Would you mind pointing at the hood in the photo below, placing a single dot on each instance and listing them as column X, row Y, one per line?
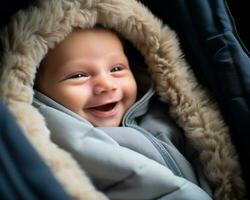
column 31, row 32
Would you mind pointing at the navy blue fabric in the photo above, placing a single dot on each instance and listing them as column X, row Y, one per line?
column 220, row 61
column 23, row 175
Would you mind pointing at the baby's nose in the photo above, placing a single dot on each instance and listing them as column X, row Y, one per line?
column 104, row 84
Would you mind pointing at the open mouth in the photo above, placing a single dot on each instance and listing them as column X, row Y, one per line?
column 104, row 108
column 104, row 111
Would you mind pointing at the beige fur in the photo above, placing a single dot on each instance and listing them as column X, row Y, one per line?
column 31, row 32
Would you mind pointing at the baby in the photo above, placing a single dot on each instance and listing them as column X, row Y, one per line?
column 88, row 94
column 89, row 74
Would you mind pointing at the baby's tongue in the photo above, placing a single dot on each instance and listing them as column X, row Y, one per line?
column 105, row 107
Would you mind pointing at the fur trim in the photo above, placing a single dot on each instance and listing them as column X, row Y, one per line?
column 32, row 32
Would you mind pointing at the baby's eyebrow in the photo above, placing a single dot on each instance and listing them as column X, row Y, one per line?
column 119, row 58
column 74, row 62
column 70, row 66
column 114, row 57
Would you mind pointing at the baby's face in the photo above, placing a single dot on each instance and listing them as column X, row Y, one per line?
column 89, row 74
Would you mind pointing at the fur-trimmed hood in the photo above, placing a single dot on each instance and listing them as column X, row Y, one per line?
column 29, row 35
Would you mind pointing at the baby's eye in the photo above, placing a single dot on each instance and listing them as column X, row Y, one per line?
column 79, row 75
column 116, row 69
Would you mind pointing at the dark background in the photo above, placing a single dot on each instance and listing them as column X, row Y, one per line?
column 241, row 14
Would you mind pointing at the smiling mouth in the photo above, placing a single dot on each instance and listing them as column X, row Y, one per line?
column 104, row 111
column 104, row 108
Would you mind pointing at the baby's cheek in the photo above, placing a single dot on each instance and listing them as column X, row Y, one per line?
column 67, row 97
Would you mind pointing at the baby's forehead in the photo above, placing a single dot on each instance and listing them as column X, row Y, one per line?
column 75, row 54
column 97, row 30
column 88, row 35
column 69, row 47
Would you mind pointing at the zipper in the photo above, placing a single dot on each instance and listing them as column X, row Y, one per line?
column 127, row 122
column 137, row 106
column 167, row 157
column 169, row 161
